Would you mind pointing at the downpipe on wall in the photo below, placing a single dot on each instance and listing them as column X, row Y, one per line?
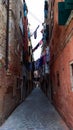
column 7, row 36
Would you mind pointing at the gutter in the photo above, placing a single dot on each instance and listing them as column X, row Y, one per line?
column 7, row 36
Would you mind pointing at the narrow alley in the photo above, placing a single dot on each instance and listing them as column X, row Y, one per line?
column 35, row 113
column 36, row 65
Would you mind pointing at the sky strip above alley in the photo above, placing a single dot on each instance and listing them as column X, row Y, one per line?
column 35, row 18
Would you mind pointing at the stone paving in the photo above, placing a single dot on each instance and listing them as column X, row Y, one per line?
column 35, row 113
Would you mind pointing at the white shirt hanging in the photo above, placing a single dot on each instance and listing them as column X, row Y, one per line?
column 21, row 25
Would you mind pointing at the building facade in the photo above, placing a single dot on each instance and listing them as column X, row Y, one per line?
column 12, row 45
column 45, row 53
column 61, row 60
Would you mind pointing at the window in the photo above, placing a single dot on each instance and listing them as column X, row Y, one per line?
column 72, row 68
column 58, row 79
column 71, row 74
column 53, row 2
column 5, row 2
column 29, row 50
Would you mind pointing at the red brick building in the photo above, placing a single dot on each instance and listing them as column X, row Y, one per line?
column 25, row 23
column 25, row 38
column 11, row 57
column 61, row 65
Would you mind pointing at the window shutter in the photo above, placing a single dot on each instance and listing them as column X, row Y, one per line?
column 63, row 14
column 69, row 1
column 69, row 4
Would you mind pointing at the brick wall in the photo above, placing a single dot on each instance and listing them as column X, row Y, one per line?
column 10, row 93
column 61, row 48
column 25, row 21
column 2, row 32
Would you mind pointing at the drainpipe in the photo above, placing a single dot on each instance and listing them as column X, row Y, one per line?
column 7, row 36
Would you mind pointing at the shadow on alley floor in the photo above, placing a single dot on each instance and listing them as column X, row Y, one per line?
column 35, row 113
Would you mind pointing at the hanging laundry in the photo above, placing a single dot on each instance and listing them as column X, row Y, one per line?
column 21, row 25
column 29, row 34
column 35, row 47
column 29, row 65
column 41, row 42
column 46, row 68
column 35, row 32
column 42, row 31
column 47, row 54
column 44, row 59
column 25, row 9
column 46, row 9
column 40, row 62
column 36, row 63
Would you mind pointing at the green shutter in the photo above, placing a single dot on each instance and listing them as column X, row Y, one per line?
column 69, row 1
column 63, row 14
column 69, row 4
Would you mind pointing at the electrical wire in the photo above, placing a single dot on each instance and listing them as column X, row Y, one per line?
column 35, row 17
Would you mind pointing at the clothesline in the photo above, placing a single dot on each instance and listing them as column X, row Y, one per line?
column 34, row 17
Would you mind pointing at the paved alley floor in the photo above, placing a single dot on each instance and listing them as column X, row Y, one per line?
column 35, row 113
